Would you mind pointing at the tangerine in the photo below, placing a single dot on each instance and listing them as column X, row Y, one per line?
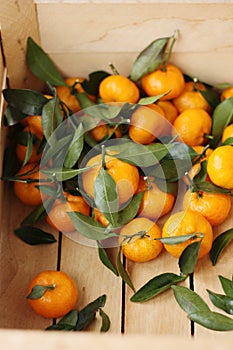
column 227, row 132
column 226, row 93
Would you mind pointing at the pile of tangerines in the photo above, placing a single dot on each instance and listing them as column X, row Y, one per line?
column 180, row 113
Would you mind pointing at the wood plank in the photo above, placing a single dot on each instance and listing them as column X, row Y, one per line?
column 18, row 20
column 19, row 263
column 204, row 43
column 93, row 279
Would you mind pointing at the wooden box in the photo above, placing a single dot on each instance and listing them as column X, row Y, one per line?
column 83, row 36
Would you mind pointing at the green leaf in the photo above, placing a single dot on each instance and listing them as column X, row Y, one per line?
column 122, row 271
column 41, row 65
column 13, row 116
column 189, row 257
column 189, row 300
column 66, row 323
column 91, row 85
column 178, row 239
column 228, row 141
column 57, row 148
column 75, row 148
column 9, row 162
column 103, row 255
column 26, row 101
column 28, row 149
column 149, row 100
column 155, row 286
column 105, row 321
column 34, row 236
column 39, row 290
column 39, row 213
column 211, row 97
column 219, row 244
column 106, row 196
column 87, row 314
column 88, row 227
column 227, row 286
column 63, row 174
column 51, row 117
column 221, row 301
column 206, row 186
column 149, row 59
column 222, row 116
column 212, row 320
column 130, row 211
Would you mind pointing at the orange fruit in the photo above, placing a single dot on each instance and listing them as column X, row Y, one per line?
column 197, row 167
column 191, row 98
column 117, row 88
column 100, row 132
column 220, row 166
column 169, row 109
column 227, row 132
column 147, row 124
column 125, row 175
column 98, row 216
column 34, row 124
column 65, row 95
column 155, row 203
column 226, row 93
column 28, row 192
column 192, row 126
column 141, row 248
column 21, row 150
column 60, row 296
column 184, row 223
column 170, row 81
column 58, row 217
column 215, row 207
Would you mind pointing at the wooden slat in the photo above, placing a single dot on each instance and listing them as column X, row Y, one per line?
column 18, row 20
column 100, row 37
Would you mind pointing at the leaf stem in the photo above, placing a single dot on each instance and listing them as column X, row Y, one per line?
column 166, row 59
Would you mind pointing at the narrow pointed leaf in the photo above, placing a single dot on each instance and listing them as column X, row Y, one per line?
column 105, row 259
column 130, row 211
column 189, row 300
column 75, row 148
column 152, row 99
column 105, row 321
column 13, row 116
column 64, row 174
column 219, row 244
column 39, row 290
column 106, row 196
column 227, row 286
column 211, row 97
column 66, row 323
column 87, row 314
column 189, row 257
column 26, row 101
column 122, row 271
column 149, row 59
column 221, row 301
column 34, row 235
column 212, row 320
column 88, row 227
column 222, row 116
column 28, row 148
column 51, row 117
column 156, row 286
column 41, row 64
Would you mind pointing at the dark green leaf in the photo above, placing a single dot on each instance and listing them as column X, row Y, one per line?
column 92, row 84
column 105, row 321
column 60, row 327
column 29, row 146
column 88, row 227
column 13, row 116
column 206, row 186
column 87, row 314
column 39, row 290
column 188, row 258
column 103, row 255
column 129, row 212
column 41, row 65
column 75, row 148
column 219, row 244
column 122, row 271
column 34, row 236
column 106, row 196
column 221, row 301
column 211, row 97
column 228, row 141
column 149, row 59
column 227, row 286
column 26, row 101
column 222, row 116
column 212, row 320
column 66, row 323
column 51, row 117
column 155, row 286
column 189, row 300
column 39, row 213
column 83, row 99
column 9, row 162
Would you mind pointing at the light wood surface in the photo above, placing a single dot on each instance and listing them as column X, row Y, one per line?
column 86, row 37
